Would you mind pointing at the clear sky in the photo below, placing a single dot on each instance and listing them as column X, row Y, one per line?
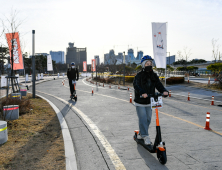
column 101, row 25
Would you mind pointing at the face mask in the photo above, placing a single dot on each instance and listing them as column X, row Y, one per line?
column 148, row 68
column 73, row 66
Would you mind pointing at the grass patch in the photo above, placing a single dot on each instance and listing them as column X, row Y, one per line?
column 34, row 140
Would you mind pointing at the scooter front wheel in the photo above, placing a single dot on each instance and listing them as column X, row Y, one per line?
column 161, row 155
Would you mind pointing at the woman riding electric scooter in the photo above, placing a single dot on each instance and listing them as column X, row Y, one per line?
column 144, row 84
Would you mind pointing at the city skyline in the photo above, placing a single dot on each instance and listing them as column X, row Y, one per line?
column 191, row 24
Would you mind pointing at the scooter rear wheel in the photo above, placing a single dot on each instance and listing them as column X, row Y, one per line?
column 161, row 155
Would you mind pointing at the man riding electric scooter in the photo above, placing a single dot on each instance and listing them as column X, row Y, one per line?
column 73, row 76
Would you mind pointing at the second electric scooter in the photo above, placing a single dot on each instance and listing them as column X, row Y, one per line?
column 159, row 145
column 74, row 96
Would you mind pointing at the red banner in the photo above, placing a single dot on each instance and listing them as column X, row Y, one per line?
column 17, row 54
column 84, row 66
column 93, row 66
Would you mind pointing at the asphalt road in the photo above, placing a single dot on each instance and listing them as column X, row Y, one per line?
column 102, row 127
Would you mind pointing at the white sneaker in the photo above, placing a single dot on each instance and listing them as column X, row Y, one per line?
column 139, row 137
column 147, row 140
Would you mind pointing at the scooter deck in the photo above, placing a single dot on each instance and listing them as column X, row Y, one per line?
column 147, row 147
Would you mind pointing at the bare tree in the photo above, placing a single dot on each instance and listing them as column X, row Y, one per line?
column 215, row 51
column 187, row 53
column 11, row 25
column 179, row 53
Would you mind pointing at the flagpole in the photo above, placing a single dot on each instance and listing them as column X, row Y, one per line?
column 166, row 53
column 165, row 77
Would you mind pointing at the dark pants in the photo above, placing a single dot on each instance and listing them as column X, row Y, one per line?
column 71, row 86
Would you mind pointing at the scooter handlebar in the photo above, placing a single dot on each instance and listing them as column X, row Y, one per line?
column 153, row 95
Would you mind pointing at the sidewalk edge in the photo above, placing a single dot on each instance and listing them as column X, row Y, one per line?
column 71, row 163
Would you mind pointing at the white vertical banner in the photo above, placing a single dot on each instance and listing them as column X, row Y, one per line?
column 41, row 75
column 63, row 74
column 159, row 34
column 38, row 76
column 26, row 77
column 58, row 75
column 49, row 63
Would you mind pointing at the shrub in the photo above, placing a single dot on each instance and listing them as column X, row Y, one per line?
column 175, row 80
column 109, row 80
column 129, row 79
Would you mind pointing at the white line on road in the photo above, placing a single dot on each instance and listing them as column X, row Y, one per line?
column 110, row 151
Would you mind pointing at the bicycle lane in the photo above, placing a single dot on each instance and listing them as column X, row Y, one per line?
column 117, row 119
column 189, row 135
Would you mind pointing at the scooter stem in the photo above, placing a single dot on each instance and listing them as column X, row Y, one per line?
column 157, row 118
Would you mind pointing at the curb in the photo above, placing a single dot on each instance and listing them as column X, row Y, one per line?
column 71, row 162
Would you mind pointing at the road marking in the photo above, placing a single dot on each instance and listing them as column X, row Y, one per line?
column 110, row 151
column 190, row 122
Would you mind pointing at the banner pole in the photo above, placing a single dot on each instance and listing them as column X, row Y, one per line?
column 33, row 63
column 165, row 77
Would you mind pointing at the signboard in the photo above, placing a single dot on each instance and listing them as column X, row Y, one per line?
column 14, row 44
column 49, row 63
column 155, row 104
column 93, row 65
column 159, row 44
column 84, row 66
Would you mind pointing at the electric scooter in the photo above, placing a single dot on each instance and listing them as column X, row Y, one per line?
column 74, row 96
column 159, row 145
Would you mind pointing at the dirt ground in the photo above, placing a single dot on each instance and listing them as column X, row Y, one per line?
column 35, row 140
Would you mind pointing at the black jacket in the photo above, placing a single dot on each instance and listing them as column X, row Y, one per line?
column 73, row 74
column 146, row 83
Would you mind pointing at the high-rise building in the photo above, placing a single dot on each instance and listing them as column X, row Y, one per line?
column 58, row 56
column 130, row 53
column 170, row 60
column 98, row 59
column 139, row 55
column 74, row 54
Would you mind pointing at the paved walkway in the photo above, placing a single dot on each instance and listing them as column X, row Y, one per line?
column 101, row 127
